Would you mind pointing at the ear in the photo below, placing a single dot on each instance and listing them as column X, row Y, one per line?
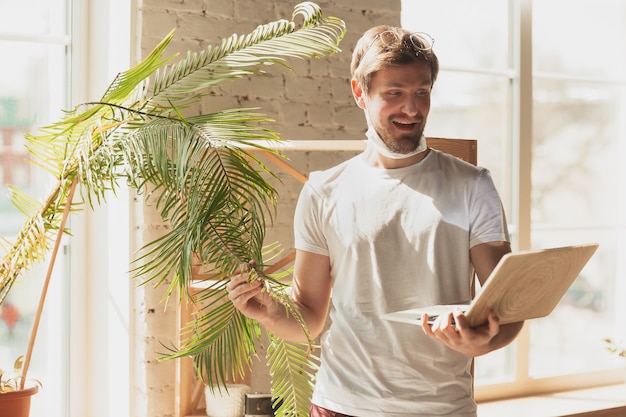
column 357, row 93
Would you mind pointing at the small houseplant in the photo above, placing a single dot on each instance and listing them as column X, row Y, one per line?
column 15, row 400
column 207, row 184
column 616, row 347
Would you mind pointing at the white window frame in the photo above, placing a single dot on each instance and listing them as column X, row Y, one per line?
column 522, row 126
column 53, row 325
column 100, row 325
column 521, row 77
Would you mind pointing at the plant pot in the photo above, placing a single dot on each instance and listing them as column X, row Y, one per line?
column 17, row 403
column 221, row 403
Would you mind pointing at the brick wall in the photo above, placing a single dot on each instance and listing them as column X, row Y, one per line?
column 314, row 102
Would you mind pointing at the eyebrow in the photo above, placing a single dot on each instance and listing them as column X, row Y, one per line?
column 395, row 84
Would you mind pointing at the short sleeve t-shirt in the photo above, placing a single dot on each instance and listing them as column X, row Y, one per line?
column 396, row 239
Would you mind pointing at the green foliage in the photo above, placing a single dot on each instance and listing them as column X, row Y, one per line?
column 615, row 347
column 13, row 382
column 204, row 180
column 293, row 375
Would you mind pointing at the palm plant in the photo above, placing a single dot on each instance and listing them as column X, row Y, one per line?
column 205, row 180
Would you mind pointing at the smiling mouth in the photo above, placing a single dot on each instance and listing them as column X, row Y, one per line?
column 405, row 125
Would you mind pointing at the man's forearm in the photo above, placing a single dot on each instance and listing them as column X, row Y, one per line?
column 284, row 324
column 508, row 333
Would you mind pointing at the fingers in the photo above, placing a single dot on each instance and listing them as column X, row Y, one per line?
column 446, row 320
column 245, row 293
column 452, row 329
column 442, row 328
column 459, row 320
column 494, row 323
column 240, row 289
column 426, row 326
column 243, row 275
column 445, row 328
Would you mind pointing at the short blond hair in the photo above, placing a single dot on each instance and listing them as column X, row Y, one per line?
column 371, row 54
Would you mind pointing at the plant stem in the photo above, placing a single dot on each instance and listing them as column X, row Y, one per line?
column 44, row 291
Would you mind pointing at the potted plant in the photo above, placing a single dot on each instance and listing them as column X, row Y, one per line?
column 615, row 347
column 14, row 397
column 205, row 179
column 618, row 348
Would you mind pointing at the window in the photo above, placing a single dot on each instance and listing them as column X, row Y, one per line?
column 33, row 90
column 578, row 135
column 546, row 63
column 63, row 53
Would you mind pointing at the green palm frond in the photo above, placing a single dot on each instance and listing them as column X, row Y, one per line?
column 294, row 375
column 231, row 338
column 203, row 177
column 60, row 147
column 126, row 84
column 33, row 241
column 28, row 205
column 237, row 55
column 212, row 196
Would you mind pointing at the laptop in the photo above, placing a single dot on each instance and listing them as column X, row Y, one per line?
column 523, row 286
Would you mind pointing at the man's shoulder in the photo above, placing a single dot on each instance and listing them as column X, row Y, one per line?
column 330, row 174
column 452, row 163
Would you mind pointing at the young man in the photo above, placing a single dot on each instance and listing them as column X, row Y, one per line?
column 399, row 226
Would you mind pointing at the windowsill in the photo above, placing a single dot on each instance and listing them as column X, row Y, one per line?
column 609, row 401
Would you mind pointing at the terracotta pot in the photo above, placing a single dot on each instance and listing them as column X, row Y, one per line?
column 16, row 403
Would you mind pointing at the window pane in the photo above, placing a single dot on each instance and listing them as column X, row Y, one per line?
column 32, row 93
column 577, row 176
column 571, row 339
column 589, row 42
column 576, row 154
column 29, row 88
column 471, row 106
column 469, row 34
column 577, row 198
column 33, row 17
column 495, row 368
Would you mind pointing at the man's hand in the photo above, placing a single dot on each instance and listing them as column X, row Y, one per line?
column 453, row 331
column 248, row 296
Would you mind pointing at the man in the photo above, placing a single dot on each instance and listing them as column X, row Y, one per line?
column 399, row 226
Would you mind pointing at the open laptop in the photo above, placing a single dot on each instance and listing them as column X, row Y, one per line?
column 523, row 286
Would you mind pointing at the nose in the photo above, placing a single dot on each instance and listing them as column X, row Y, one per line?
column 409, row 106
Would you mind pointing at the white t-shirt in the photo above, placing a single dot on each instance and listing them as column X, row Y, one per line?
column 396, row 239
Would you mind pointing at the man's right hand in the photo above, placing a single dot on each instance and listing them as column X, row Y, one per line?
column 248, row 296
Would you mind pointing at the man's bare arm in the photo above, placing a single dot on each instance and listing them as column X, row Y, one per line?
column 484, row 339
column 310, row 293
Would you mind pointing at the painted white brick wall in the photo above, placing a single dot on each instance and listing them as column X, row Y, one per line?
column 314, row 102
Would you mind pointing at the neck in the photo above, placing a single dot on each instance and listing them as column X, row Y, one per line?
column 379, row 155
column 373, row 157
column 381, row 146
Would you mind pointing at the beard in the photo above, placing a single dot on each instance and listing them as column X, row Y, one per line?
column 381, row 147
column 404, row 143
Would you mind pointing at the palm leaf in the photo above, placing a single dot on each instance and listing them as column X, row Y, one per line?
column 203, row 178
column 34, row 239
column 293, row 374
column 237, row 55
column 231, row 338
